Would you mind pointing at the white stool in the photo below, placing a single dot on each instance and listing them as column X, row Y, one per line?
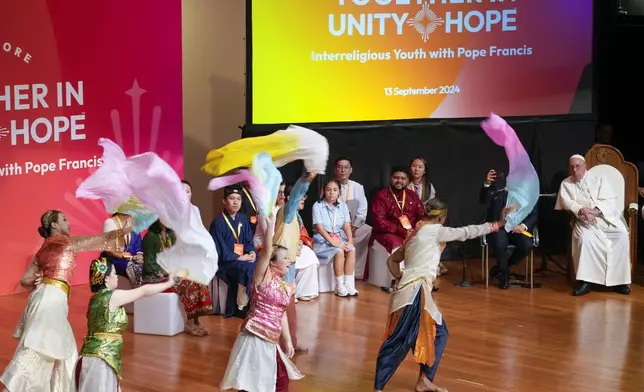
column 326, row 278
column 219, row 294
column 379, row 275
column 160, row 314
column 124, row 284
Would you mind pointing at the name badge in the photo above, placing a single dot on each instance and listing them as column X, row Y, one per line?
column 238, row 249
column 253, row 220
column 404, row 221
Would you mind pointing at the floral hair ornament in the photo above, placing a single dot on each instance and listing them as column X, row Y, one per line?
column 98, row 268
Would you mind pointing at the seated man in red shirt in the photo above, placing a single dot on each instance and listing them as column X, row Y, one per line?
column 395, row 211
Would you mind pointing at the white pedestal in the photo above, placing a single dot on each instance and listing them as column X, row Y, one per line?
column 160, row 314
column 326, row 278
column 378, row 271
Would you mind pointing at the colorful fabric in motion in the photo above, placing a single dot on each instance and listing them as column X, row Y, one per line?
column 522, row 182
column 284, row 146
column 159, row 190
column 263, row 179
column 142, row 218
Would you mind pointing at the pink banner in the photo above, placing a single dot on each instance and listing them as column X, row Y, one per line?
column 74, row 71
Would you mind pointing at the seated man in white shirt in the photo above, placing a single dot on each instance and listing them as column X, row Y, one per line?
column 353, row 194
column 600, row 242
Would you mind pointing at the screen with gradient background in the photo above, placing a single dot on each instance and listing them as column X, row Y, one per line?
column 369, row 60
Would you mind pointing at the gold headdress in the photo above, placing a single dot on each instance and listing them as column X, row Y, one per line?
column 441, row 212
column 98, row 269
column 48, row 218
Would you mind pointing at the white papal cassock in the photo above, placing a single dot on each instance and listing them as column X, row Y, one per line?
column 600, row 252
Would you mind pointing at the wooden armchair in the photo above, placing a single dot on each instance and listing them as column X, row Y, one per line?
column 607, row 162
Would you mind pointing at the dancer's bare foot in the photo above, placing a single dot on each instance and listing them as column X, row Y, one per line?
column 305, row 299
column 301, row 349
column 424, row 385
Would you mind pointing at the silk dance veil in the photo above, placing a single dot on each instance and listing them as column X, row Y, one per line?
column 284, row 146
column 522, row 182
column 146, row 187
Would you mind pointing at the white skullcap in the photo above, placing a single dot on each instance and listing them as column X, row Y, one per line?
column 577, row 156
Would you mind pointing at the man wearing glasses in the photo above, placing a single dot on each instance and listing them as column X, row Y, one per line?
column 353, row 194
column 600, row 245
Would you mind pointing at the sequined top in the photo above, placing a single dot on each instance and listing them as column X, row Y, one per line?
column 56, row 258
column 267, row 306
column 105, row 329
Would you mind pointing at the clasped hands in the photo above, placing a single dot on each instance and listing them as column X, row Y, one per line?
column 248, row 257
column 345, row 246
column 589, row 215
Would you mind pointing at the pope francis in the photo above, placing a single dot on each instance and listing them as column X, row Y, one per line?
column 600, row 243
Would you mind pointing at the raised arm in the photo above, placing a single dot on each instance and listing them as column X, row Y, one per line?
column 123, row 297
column 265, row 257
column 449, row 234
column 297, row 193
column 111, row 241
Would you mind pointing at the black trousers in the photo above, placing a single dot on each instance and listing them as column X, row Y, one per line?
column 500, row 241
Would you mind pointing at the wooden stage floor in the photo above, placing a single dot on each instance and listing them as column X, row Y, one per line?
column 515, row 340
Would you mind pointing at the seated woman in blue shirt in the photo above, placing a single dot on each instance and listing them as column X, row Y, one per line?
column 333, row 238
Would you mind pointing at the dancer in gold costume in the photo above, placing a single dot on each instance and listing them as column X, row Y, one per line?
column 46, row 352
column 99, row 365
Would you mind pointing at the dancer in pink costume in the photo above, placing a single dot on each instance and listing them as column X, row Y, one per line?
column 257, row 363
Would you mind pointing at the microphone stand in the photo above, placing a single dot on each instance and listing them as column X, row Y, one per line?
column 464, row 282
column 547, row 256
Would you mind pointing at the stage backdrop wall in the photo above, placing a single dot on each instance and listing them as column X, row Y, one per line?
column 459, row 155
column 72, row 72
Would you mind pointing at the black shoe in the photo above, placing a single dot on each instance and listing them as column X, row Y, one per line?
column 583, row 289
column 504, row 281
column 622, row 289
column 495, row 271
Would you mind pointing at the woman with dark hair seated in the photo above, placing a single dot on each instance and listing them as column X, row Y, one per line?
column 99, row 365
column 333, row 238
column 195, row 297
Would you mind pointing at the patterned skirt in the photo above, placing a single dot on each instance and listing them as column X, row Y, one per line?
column 195, row 298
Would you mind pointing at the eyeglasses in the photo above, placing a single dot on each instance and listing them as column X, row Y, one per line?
column 577, row 167
column 343, row 168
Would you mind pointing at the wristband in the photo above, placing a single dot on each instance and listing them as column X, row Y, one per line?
column 176, row 280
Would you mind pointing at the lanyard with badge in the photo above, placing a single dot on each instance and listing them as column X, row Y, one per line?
column 253, row 218
column 404, row 220
column 237, row 247
column 333, row 234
